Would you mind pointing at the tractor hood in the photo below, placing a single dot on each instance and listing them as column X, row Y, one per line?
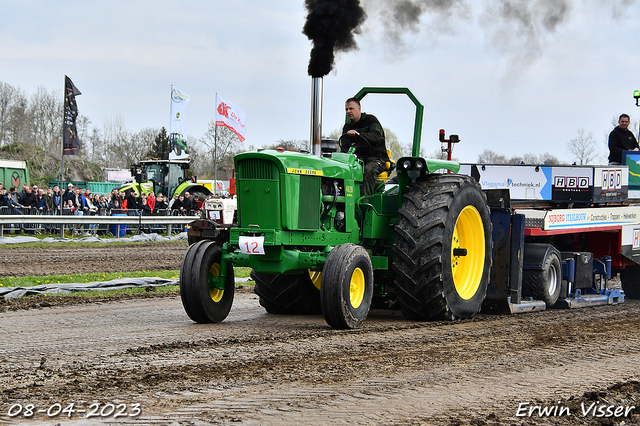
column 339, row 166
column 283, row 190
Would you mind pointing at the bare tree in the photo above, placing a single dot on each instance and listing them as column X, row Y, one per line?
column 221, row 145
column 584, row 148
column 140, row 143
column 7, row 98
column 289, row 145
column 82, row 126
column 45, row 114
column 94, row 147
column 549, row 160
column 490, row 157
column 123, row 148
column 17, row 129
column 115, row 137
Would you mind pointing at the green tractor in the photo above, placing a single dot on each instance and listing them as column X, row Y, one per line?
column 316, row 245
column 166, row 176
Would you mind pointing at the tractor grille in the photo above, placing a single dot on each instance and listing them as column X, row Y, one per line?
column 255, row 168
column 309, row 203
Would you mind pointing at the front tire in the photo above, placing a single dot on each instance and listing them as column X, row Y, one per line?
column 201, row 298
column 443, row 248
column 347, row 286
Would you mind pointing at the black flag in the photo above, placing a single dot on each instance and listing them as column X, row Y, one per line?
column 70, row 141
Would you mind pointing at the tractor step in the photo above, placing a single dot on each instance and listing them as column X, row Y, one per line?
column 526, row 306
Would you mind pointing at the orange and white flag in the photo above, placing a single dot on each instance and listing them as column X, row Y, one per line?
column 231, row 116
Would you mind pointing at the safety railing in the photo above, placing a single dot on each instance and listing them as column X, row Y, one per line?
column 108, row 222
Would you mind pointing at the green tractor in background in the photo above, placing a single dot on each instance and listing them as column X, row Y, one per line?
column 166, row 176
column 316, row 245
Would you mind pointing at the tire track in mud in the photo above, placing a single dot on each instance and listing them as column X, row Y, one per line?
column 79, row 259
column 258, row 368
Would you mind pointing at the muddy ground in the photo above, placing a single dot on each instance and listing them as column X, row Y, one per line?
column 80, row 259
column 262, row 369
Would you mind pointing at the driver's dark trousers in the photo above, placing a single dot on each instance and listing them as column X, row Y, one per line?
column 372, row 168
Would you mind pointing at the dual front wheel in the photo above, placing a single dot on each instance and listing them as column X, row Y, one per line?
column 206, row 295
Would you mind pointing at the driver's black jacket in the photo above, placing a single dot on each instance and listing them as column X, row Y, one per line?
column 370, row 128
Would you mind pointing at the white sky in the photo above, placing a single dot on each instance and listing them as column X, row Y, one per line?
column 476, row 75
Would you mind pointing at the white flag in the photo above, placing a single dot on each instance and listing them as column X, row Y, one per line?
column 231, row 116
column 177, row 129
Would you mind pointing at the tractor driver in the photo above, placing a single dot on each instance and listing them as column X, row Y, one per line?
column 362, row 125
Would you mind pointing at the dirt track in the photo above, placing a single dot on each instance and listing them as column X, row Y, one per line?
column 79, row 259
column 261, row 369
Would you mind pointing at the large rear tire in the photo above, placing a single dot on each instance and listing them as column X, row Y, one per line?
column 347, row 286
column 630, row 279
column 287, row 294
column 202, row 300
column 443, row 248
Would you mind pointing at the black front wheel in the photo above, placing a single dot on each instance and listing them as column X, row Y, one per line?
column 206, row 296
column 346, row 289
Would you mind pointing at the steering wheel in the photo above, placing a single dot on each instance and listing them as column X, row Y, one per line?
column 362, row 145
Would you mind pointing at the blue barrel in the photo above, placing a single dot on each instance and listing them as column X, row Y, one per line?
column 119, row 230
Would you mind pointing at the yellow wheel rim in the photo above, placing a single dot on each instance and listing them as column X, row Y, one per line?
column 467, row 269
column 216, row 293
column 356, row 288
column 316, row 278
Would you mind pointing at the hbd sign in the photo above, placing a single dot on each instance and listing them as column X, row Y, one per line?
column 611, row 179
column 571, row 182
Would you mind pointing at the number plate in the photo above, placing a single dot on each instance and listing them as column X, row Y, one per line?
column 214, row 214
column 252, row 245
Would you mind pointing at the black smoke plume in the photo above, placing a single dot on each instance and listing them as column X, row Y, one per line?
column 528, row 20
column 331, row 25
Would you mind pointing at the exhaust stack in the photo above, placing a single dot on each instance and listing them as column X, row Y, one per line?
column 316, row 116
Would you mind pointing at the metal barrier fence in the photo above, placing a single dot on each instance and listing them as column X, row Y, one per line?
column 113, row 222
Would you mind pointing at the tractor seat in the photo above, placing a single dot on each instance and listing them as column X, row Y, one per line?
column 389, row 165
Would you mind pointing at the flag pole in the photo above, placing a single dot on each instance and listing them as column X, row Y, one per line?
column 215, row 149
column 170, row 122
column 64, row 92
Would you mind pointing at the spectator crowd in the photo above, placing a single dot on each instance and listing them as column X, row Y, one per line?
column 78, row 201
column 74, row 200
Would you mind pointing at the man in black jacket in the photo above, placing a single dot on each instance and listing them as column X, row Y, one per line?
column 28, row 198
column 621, row 139
column 363, row 125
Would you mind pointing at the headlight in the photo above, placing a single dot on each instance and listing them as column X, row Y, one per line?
column 419, row 164
column 406, row 164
